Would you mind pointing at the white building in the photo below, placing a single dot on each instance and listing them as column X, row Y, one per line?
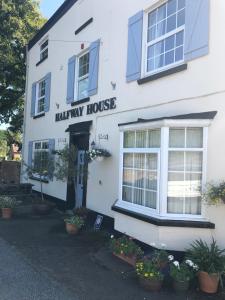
column 145, row 80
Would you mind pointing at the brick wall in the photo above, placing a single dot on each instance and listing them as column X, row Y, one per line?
column 10, row 172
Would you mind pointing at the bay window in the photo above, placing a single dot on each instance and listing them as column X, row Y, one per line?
column 162, row 170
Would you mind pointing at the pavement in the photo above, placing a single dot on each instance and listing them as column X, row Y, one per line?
column 40, row 261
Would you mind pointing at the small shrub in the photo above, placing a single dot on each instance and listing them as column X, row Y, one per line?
column 125, row 246
column 75, row 220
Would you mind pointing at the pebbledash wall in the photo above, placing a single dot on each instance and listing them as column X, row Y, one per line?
column 187, row 94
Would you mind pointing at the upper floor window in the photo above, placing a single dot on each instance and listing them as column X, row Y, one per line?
column 40, row 99
column 44, row 50
column 83, row 76
column 165, row 36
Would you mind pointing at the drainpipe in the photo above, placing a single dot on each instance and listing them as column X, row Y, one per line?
column 25, row 110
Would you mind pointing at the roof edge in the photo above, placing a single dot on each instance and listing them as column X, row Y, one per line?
column 61, row 11
column 209, row 115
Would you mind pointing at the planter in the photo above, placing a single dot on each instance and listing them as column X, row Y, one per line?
column 42, row 209
column 152, row 285
column 208, row 283
column 180, row 286
column 72, row 229
column 131, row 260
column 6, row 213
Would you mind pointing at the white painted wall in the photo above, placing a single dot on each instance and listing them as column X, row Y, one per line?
column 200, row 88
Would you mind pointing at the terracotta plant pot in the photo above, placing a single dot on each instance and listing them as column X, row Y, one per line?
column 131, row 260
column 180, row 286
column 208, row 283
column 72, row 229
column 6, row 213
column 152, row 285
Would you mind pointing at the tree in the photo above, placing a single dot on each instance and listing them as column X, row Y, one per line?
column 20, row 20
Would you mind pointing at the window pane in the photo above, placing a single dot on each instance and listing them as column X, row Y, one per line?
column 127, row 194
column 128, row 160
column 83, row 88
column 193, row 205
column 179, row 54
column 154, row 138
column 151, row 52
column 175, row 205
column 180, row 38
column 129, row 139
column 152, row 18
column 45, row 145
column 181, row 4
column 176, row 161
column 159, row 61
column 151, row 181
column 193, row 184
column 150, row 199
column 152, row 33
column 194, row 161
column 171, row 8
column 161, row 13
column 177, row 138
column 84, row 65
column 176, row 185
column 128, row 177
column 138, row 197
column 159, row 48
column 139, row 179
column 161, row 28
column 171, row 23
column 37, row 146
column 194, row 137
column 150, row 65
column 141, row 139
column 41, row 105
column 151, row 161
column 169, row 57
column 181, row 18
column 170, row 43
column 139, row 161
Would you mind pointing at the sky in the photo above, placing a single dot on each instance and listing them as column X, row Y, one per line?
column 48, row 7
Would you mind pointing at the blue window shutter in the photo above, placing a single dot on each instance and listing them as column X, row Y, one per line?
column 93, row 67
column 47, row 91
column 134, row 52
column 30, row 153
column 71, row 80
column 33, row 99
column 51, row 147
column 196, row 29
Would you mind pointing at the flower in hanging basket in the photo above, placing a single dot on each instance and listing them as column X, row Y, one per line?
column 93, row 154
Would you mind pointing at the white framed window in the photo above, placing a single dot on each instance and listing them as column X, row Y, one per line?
column 40, row 157
column 164, row 30
column 40, row 97
column 162, row 170
column 44, row 50
column 82, row 76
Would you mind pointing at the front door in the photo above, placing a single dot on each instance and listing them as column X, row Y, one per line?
column 79, row 178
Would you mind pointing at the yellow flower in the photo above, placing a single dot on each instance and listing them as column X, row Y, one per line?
column 146, row 275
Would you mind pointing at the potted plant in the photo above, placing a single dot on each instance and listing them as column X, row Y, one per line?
column 97, row 154
column 126, row 249
column 7, row 204
column 210, row 260
column 149, row 274
column 182, row 273
column 73, row 224
column 215, row 193
column 160, row 257
column 82, row 212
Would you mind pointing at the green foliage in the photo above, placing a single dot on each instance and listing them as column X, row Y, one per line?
column 20, row 20
column 160, row 257
column 75, row 220
column 148, row 269
column 209, row 258
column 182, row 271
column 3, row 144
column 94, row 153
column 215, row 193
column 65, row 164
column 7, row 202
column 125, row 245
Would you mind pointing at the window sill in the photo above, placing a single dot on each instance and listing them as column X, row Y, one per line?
column 39, row 116
column 38, row 179
column 41, row 61
column 163, row 222
column 80, row 101
column 162, row 74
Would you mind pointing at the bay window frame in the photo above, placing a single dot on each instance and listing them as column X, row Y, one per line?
column 164, row 125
